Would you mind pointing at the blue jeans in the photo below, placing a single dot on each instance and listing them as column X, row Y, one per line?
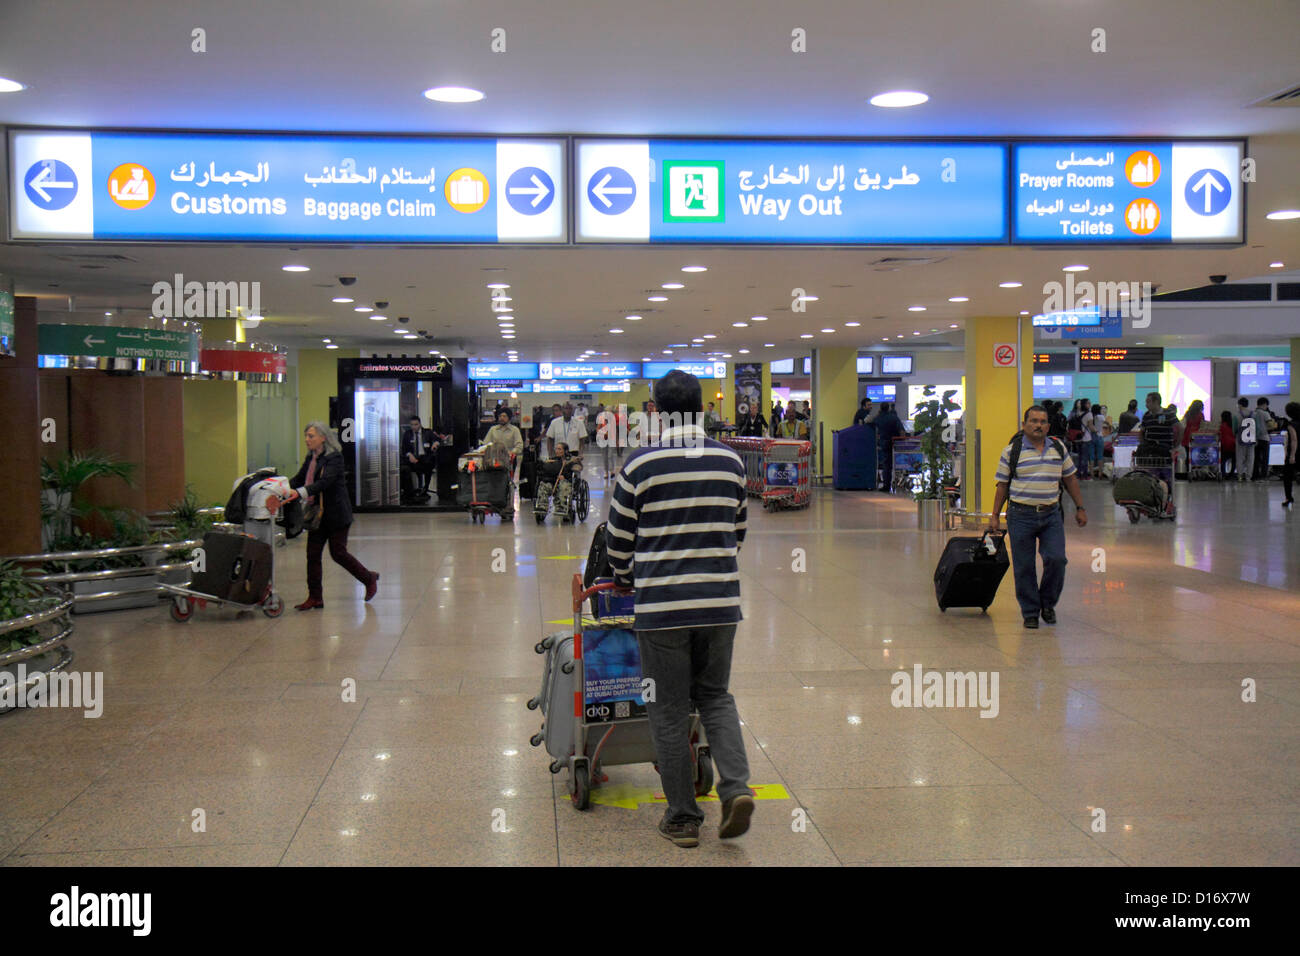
column 1046, row 529
column 693, row 664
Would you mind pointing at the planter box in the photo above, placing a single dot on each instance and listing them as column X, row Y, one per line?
column 141, row 591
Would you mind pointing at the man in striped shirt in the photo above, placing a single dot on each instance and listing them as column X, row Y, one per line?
column 675, row 526
column 1030, row 473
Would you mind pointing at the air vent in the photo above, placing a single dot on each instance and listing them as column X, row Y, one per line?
column 902, row 261
column 1290, row 97
column 95, row 257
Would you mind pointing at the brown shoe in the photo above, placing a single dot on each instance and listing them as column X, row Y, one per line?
column 373, row 586
column 308, row 604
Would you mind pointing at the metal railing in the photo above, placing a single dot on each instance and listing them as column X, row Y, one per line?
column 58, row 612
column 68, row 577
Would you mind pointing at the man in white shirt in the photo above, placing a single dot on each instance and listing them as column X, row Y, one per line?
column 566, row 429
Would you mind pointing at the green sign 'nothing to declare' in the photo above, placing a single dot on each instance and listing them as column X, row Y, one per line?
column 115, row 342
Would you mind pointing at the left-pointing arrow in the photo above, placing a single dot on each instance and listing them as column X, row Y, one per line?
column 89, row 340
column 45, row 180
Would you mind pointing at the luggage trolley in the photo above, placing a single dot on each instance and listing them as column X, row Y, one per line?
column 593, row 701
column 909, row 461
column 786, row 473
column 236, row 572
column 1160, row 468
column 485, row 495
column 1204, row 458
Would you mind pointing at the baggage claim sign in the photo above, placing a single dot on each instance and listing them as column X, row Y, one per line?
column 257, row 186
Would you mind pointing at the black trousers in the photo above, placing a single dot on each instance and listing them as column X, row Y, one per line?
column 1288, row 479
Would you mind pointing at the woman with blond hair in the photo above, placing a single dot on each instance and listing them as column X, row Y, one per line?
column 328, row 513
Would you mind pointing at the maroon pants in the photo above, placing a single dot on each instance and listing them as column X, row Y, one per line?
column 338, row 542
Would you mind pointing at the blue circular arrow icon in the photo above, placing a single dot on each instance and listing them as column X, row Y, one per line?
column 611, row 190
column 1208, row 192
column 530, row 191
column 50, row 183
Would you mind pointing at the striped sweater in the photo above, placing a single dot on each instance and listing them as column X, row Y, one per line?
column 676, row 522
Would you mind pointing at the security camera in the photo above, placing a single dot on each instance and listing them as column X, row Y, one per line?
column 401, row 318
column 347, row 280
column 381, row 303
column 1074, row 341
column 424, row 332
column 1218, row 280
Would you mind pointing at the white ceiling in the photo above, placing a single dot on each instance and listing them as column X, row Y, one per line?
column 995, row 68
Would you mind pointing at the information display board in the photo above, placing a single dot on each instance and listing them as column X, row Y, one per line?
column 1127, row 192
column 1054, row 362
column 1054, row 386
column 896, row 365
column 1144, row 358
column 866, row 365
column 275, row 186
column 585, row 370
column 1264, row 378
column 789, row 192
column 480, row 371
column 655, row 370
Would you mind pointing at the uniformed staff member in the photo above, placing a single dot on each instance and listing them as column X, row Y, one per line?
column 1031, row 472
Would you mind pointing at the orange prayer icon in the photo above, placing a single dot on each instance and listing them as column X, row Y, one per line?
column 1142, row 168
column 132, row 186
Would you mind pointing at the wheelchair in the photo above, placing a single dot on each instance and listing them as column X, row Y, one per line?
column 579, row 496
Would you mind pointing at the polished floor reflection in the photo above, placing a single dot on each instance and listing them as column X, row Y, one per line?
column 1121, row 735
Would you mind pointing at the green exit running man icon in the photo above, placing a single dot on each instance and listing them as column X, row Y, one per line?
column 693, row 191
column 694, row 198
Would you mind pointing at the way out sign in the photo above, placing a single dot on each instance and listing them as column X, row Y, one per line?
column 1005, row 355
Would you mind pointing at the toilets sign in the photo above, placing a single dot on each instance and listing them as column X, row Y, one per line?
column 263, row 186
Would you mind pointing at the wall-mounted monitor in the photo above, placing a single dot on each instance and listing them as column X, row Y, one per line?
column 882, row 393
column 781, row 367
column 1053, row 386
column 896, row 365
column 866, row 365
column 1054, row 362
column 1263, row 378
column 1147, row 358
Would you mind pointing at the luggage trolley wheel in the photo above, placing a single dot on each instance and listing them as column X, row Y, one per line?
column 703, row 772
column 580, row 783
column 273, row 606
column 181, row 610
column 536, row 739
column 1134, row 515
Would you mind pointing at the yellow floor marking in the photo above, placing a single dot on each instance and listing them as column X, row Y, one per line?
column 629, row 797
column 563, row 557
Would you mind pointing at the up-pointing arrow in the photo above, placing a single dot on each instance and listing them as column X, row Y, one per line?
column 1207, row 182
column 539, row 190
column 45, row 180
column 602, row 188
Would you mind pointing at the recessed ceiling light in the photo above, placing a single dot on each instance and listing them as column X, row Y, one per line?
column 1284, row 214
column 726, row 355
column 325, row 340
column 498, row 285
column 744, row 351
column 709, row 335
column 1074, row 269
column 806, row 335
column 656, row 298
column 673, row 285
column 10, row 86
column 740, row 325
column 828, row 330
column 1024, row 313
column 916, row 308
column 769, row 345
column 296, row 268
column 378, row 318
column 897, row 99
column 363, row 308
column 808, row 298
column 758, row 318
column 916, row 333
column 342, row 300
column 852, row 325
column 1271, row 265
column 959, row 298
column 633, row 318
column 695, row 269
column 953, row 326
column 1009, row 285
column 885, row 339
column 399, row 331
column 698, row 341
column 898, row 336
column 331, row 346
column 668, row 351
column 453, row 94
column 1139, row 343
column 409, row 337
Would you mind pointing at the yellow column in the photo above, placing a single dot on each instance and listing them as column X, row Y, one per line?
column 993, row 410
column 834, row 399
column 216, row 331
column 318, row 379
column 216, row 437
column 1116, row 389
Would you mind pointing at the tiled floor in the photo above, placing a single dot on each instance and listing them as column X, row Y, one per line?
column 1132, row 705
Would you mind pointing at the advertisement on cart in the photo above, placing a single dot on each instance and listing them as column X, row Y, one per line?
column 782, row 474
column 611, row 664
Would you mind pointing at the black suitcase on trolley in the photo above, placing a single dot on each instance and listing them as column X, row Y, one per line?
column 527, row 473
column 236, row 567
column 968, row 575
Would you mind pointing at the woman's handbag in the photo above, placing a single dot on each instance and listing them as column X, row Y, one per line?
column 312, row 512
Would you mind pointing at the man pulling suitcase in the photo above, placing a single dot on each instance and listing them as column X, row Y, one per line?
column 1031, row 473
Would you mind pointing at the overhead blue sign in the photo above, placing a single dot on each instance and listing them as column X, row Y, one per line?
column 479, row 371
column 1126, row 192
column 262, row 186
column 1091, row 324
column 777, row 191
column 698, row 369
column 569, row 370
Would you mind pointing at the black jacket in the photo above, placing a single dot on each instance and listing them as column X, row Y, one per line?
column 427, row 438
column 330, row 483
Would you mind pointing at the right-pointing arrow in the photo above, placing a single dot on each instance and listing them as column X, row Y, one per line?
column 1207, row 182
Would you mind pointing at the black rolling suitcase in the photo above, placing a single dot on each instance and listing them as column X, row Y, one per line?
column 527, row 473
column 236, row 567
column 969, row 571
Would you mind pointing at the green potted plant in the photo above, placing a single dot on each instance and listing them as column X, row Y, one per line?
column 185, row 521
column 33, row 649
column 932, row 427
